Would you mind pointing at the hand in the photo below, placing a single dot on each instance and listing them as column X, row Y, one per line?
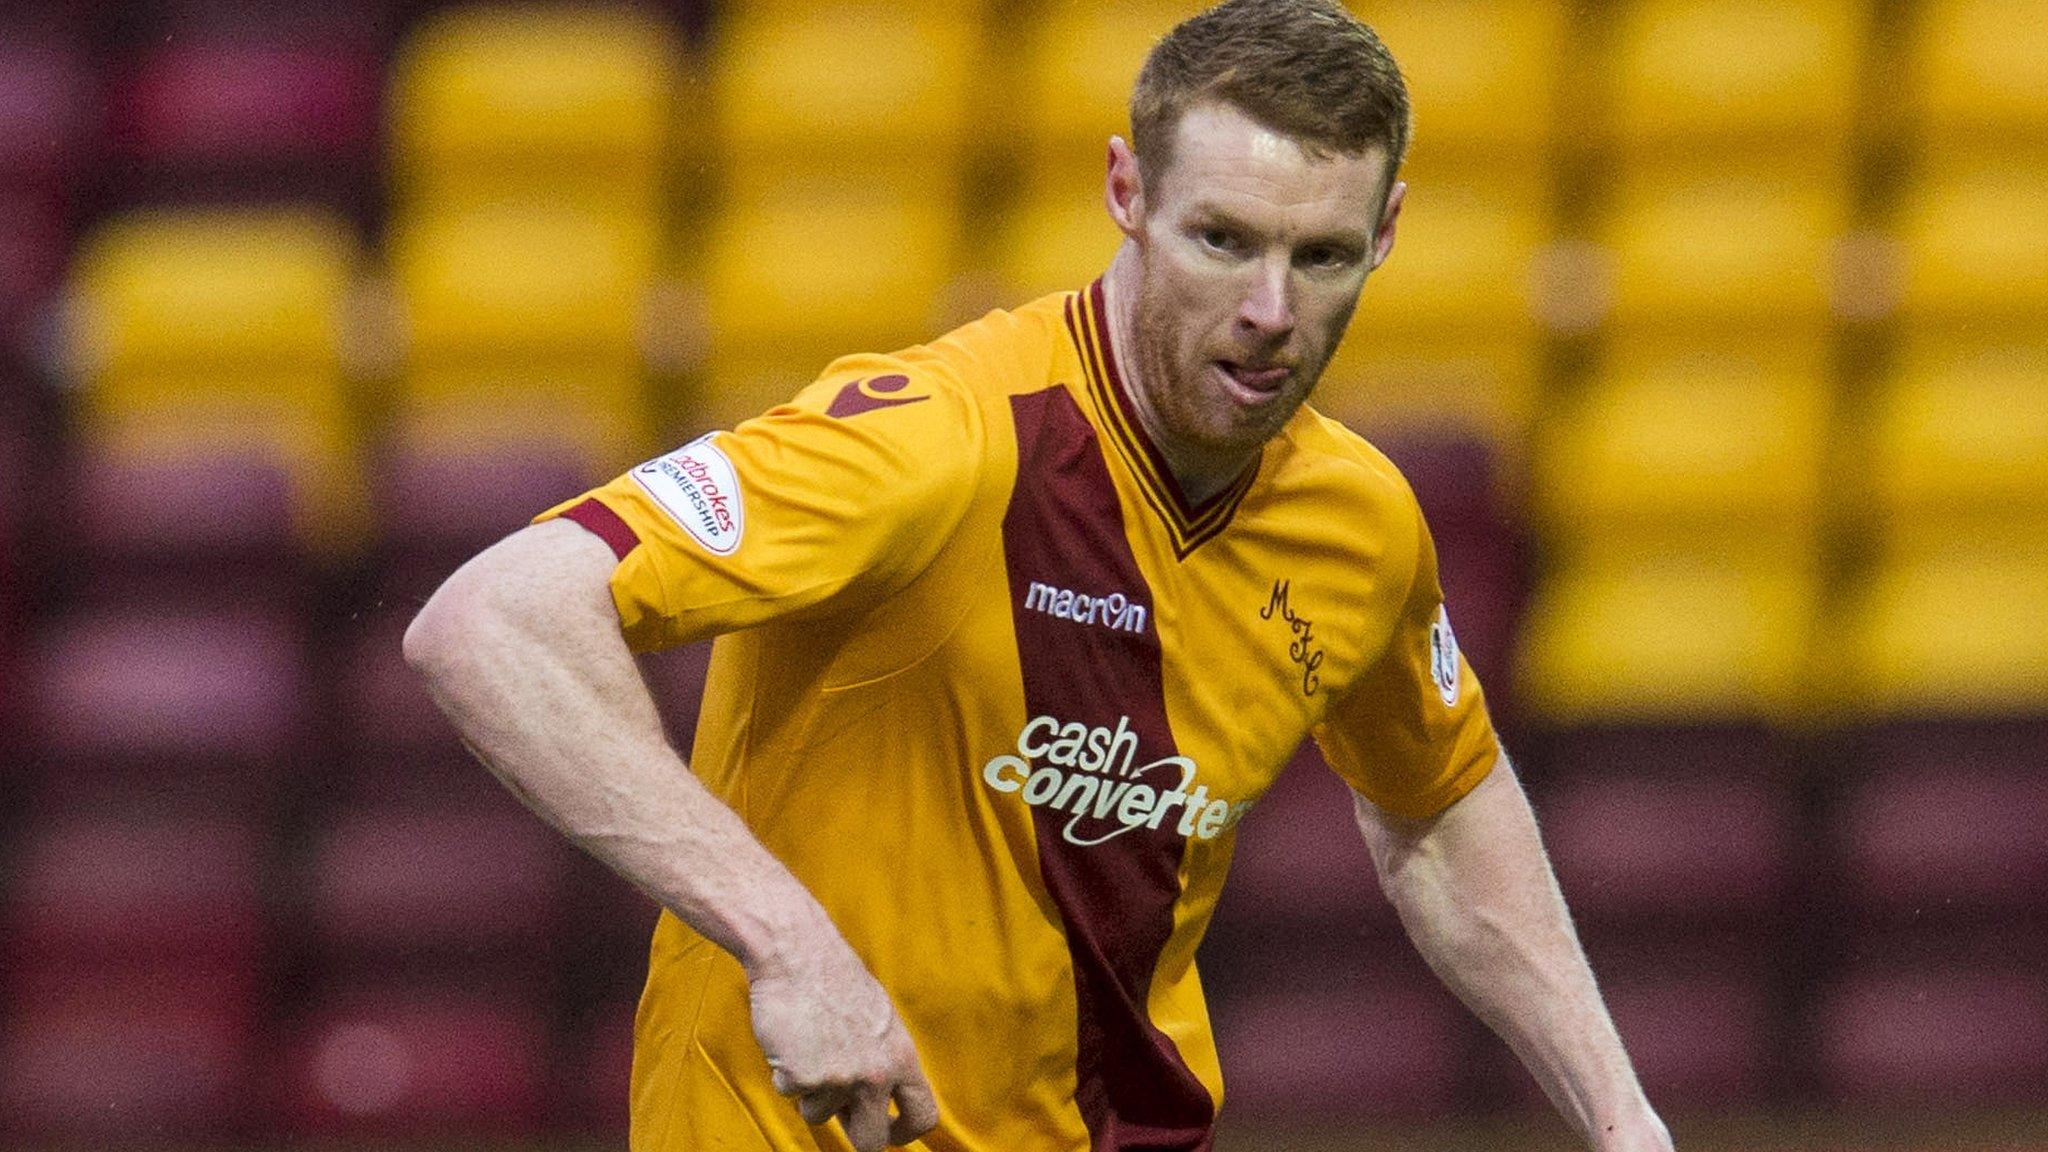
column 1646, row 1133
column 835, row 1044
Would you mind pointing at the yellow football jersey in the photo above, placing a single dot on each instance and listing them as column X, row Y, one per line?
column 999, row 697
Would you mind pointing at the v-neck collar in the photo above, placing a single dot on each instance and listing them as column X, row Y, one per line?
column 1188, row 526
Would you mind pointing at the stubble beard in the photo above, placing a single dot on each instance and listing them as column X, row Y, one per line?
column 1206, row 429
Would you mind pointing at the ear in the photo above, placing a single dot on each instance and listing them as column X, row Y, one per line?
column 1383, row 239
column 1123, row 189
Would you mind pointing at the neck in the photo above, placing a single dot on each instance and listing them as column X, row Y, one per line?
column 1199, row 475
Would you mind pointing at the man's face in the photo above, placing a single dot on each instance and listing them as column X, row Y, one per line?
column 1252, row 254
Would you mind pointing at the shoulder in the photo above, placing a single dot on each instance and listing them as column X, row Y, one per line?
column 1006, row 351
column 1345, row 470
column 1002, row 353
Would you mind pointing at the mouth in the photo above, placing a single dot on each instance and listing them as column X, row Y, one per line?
column 1253, row 383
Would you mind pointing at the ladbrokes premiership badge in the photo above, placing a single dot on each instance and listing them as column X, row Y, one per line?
column 697, row 486
column 1443, row 657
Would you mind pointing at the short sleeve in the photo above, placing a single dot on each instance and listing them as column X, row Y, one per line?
column 830, row 502
column 1412, row 733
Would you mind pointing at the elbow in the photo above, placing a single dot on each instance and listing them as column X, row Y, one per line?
column 422, row 641
column 435, row 636
column 518, row 596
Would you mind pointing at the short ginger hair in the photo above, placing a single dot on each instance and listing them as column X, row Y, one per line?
column 1307, row 69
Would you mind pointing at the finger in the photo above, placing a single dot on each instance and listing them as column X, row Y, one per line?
column 819, row 1107
column 784, row 1086
column 866, row 1121
column 917, row 1111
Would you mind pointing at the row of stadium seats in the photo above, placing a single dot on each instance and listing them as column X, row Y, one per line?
column 590, row 116
column 229, row 705
column 1490, row 76
column 1713, row 1018
column 475, row 1061
column 1684, row 885
column 250, row 886
column 1648, row 484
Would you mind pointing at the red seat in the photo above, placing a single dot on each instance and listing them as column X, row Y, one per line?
column 1966, row 839
column 44, row 112
column 611, row 923
column 1747, row 751
column 675, row 677
column 384, row 703
column 141, row 889
column 146, row 686
column 210, row 100
column 1663, row 845
column 367, row 23
column 33, row 249
column 1456, row 478
column 2010, row 745
column 1300, row 859
column 1381, row 1044
column 453, row 505
column 606, row 1079
column 1698, row 1044
column 205, row 511
column 18, row 451
column 132, row 1058
column 1701, row 1026
column 45, row 109
column 1935, row 1033
column 1456, row 475
column 421, row 1063
column 1483, row 596
column 484, row 883
column 249, row 116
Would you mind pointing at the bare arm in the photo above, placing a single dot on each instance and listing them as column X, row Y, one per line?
column 521, row 648
column 1476, row 893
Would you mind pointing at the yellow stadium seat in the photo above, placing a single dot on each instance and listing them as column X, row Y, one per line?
column 217, row 289
column 1073, row 87
column 1725, row 245
column 1701, row 634
column 1059, row 236
column 1482, row 74
column 1961, row 630
column 1462, row 261
column 545, row 101
column 1959, row 433
column 1668, row 442
column 600, row 409
column 1982, row 68
column 1975, row 233
column 1390, row 386
column 822, row 83
column 510, row 281
column 741, row 383
column 301, row 423
column 1776, row 73
column 220, row 332
column 851, row 265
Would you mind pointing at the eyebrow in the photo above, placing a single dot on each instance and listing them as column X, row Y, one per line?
column 1207, row 212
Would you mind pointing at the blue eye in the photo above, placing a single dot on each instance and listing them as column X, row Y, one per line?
column 1219, row 239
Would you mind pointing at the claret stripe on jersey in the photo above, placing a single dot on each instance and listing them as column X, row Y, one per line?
column 598, row 518
column 1117, row 895
column 1088, row 325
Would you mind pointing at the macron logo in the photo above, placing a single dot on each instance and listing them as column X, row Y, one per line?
column 1116, row 611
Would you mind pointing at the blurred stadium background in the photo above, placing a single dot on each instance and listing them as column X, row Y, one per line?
column 1716, row 344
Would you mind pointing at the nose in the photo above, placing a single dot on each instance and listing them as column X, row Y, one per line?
column 1266, row 311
